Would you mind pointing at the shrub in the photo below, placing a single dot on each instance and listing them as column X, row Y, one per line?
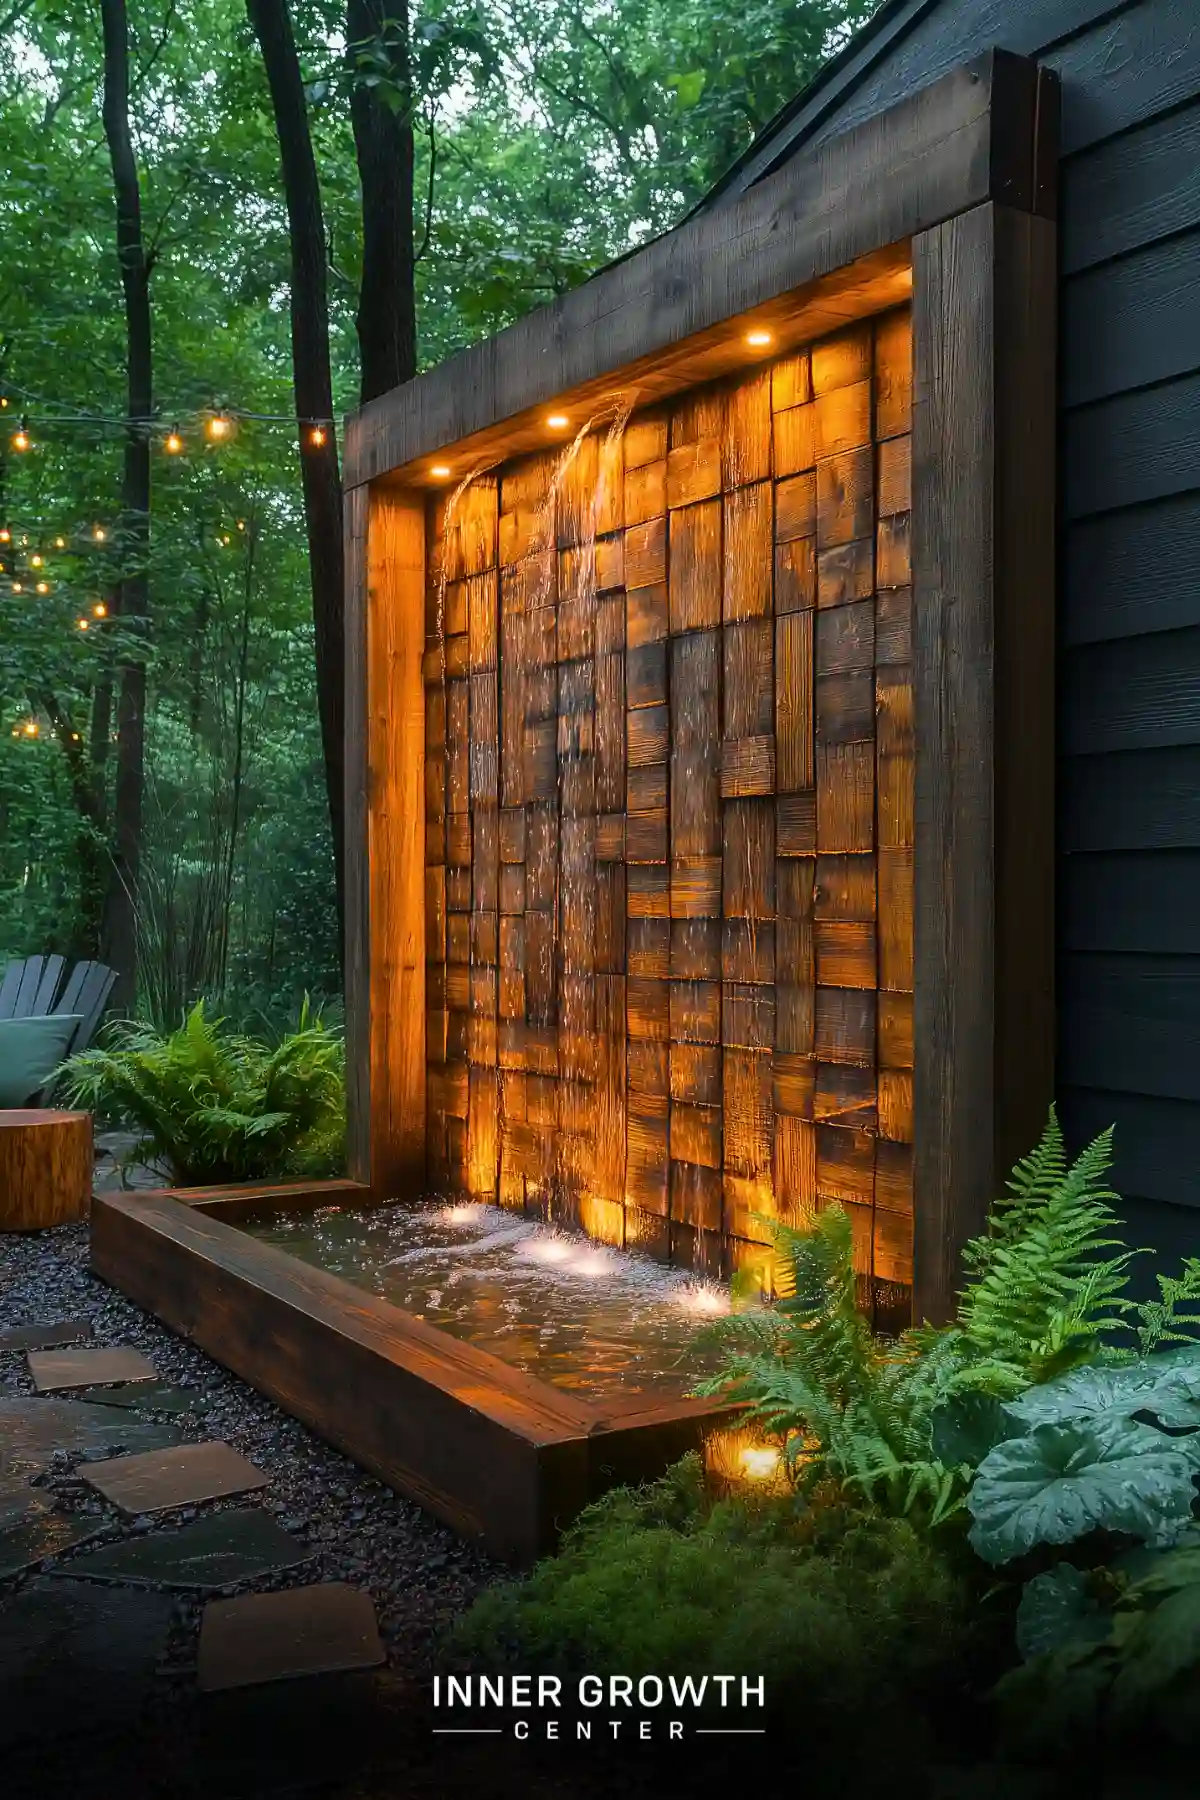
column 847, row 1613
column 214, row 1106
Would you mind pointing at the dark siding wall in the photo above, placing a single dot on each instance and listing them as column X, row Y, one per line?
column 1129, row 625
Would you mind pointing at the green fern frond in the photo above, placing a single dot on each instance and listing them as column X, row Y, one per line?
column 1167, row 1319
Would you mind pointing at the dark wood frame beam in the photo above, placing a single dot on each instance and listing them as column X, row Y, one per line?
column 969, row 138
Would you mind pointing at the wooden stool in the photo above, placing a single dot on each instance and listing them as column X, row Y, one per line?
column 45, row 1168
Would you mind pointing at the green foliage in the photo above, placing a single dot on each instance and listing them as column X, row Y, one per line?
column 906, row 1423
column 1041, row 1291
column 214, row 1106
column 1112, row 1657
column 849, row 1612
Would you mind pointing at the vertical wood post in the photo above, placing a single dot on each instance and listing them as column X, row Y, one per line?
column 983, row 655
column 385, row 773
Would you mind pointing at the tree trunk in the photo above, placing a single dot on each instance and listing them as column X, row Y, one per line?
column 133, row 593
column 314, row 392
column 383, row 143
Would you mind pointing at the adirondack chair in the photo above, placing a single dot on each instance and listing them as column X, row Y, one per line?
column 31, row 989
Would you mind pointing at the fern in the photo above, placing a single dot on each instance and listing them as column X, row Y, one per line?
column 214, row 1106
column 1045, row 1290
column 1042, row 1292
column 1165, row 1320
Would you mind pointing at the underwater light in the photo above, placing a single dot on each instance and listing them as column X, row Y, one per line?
column 759, row 1461
column 758, row 339
column 460, row 1215
column 441, row 470
column 558, row 421
column 704, row 1300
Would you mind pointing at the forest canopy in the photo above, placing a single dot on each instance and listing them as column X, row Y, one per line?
column 223, row 223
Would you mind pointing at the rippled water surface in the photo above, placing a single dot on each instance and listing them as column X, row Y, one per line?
column 553, row 1303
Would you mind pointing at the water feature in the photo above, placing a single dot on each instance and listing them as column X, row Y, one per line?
column 602, row 1323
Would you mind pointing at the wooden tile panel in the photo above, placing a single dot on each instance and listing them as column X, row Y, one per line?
column 669, row 817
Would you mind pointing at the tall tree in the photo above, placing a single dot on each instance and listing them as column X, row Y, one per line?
column 313, row 387
column 381, row 112
column 132, row 594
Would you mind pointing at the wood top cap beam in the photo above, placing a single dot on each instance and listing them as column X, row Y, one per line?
column 659, row 320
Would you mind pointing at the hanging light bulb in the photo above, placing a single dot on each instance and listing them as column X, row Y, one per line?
column 31, row 728
column 219, row 427
column 16, row 587
column 82, row 624
column 100, row 611
column 60, row 543
column 21, row 439
column 43, row 587
column 173, row 443
column 99, row 533
column 316, row 436
column 35, row 562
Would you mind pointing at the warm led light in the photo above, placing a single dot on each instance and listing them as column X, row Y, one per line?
column 5, row 535
column 60, row 543
column 75, row 737
column 31, row 730
column 21, row 439
column 317, row 436
column 82, row 624
column 35, row 562
column 758, row 339
column 759, row 1462
column 219, row 426
column 16, row 587
column 241, row 524
column 173, row 443
column 99, row 534
column 558, row 421
column 100, row 611
column 441, row 470
column 43, row 587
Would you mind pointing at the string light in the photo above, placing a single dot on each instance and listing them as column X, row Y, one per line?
column 99, row 533
column 316, row 436
column 43, row 587
column 5, row 535
column 31, row 728
column 100, row 611
column 35, row 562
column 60, row 543
column 173, row 443
column 219, row 427
column 16, row 587
column 21, row 436
column 82, row 624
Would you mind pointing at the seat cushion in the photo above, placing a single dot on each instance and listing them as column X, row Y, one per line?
column 30, row 1051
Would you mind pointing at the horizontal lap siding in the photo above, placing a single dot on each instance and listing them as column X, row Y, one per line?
column 1129, row 602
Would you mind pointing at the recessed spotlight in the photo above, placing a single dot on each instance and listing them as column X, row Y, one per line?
column 441, row 470
column 558, row 421
column 758, row 339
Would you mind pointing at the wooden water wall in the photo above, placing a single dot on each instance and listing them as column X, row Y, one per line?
column 669, row 817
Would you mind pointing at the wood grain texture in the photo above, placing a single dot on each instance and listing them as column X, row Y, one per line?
column 983, row 515
column 794, row 228
column 45, row 1168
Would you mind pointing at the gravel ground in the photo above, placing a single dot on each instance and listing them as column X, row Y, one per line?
column 417, row 1573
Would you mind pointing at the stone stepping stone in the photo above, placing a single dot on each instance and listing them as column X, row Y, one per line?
column 147, row 1396
column 31, row 1430
column 53, row 1370
column 38, row 1533
column 45, row 1337
column 317, row 1630
column 164, row 1479
column 75, row 1657
column 213, row 1552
